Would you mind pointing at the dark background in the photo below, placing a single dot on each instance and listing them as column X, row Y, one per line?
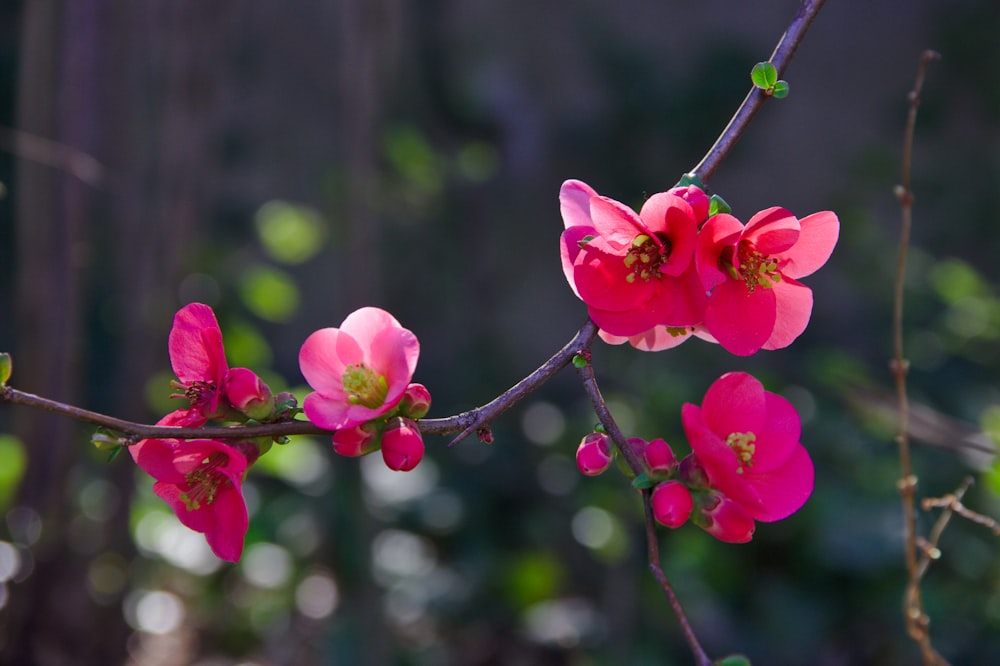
column 289, row 162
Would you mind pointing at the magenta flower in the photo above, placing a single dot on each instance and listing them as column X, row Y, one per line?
column 594, row 454
column 752, row 271
column 199, row 361
column 746, row 440
column 402, row 444
column 633, row 271
column 723, row 518
column 201, row 480
column 359, row 371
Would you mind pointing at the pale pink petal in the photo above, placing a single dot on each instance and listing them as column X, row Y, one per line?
column 772, row 231
column 721, row 231
column 734, row 403
column 328, row 411
column 740, row 320
column 815, row 245
column 569, row 250
column 394, row 353
column 195, row 345
column 793, row 307
column 364, row 324
column 784, row 491
column 615, row 222
column 324, row 357
column 659, row 338
column 574, row 203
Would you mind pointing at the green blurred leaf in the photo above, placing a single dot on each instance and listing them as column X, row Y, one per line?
column 764, row 75
column 477, row 161
column 413, row 157
column 734, row 660
column 533, row 577
column 14, row 461
column 5, row 368
column 717, row 204
column 290, row 233
column 954, row 280
column 269, row 293
column 780, row 89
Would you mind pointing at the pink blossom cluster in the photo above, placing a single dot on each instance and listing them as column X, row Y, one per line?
column 202, row 479
column 360, row 375
column 670, row 271
column 747, row 463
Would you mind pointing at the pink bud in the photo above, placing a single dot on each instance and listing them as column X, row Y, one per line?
column 416, row 402
column 659, row 457
column 594, row 455
column 672, row 503
column 692, row 473
column 696, row 198
column 402, row 445
column 724, row 519
column 356, row 441
column 249, row 394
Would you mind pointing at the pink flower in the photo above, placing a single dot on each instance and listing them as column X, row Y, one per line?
column 723, row 518
column 756, row 301
column 672, row 503
column 594, row 454
column 199, row 361
column 201, row 480
column 634, row 272
column 248, row 393
column 359, row 371
column 402, row 445
column 416, row 402
column 357, row 440
column 746, row 440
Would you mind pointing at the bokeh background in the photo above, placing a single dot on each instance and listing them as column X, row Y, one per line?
column 289, row 162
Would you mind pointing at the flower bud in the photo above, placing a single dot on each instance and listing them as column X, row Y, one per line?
column 356, row 441
column 249, row 394
column 416, row 402
column 402, row 445
column 695, row 198
column 723, row 518
column 594, row 455
column 659, row 457
column 692, row 472
column 672, row 503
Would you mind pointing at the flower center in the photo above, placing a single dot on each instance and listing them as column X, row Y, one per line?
column 754, row 268
column 364, row 386
column 199, row 393
column 646, row 256
column 742, row 443
column 204, row 482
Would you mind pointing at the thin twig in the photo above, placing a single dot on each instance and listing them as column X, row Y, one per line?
column 53, row 154
column 631, row 456
column 914, row 615
column 780, row 58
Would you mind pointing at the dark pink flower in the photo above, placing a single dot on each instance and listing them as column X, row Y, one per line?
column 723, row 518
column 199, row 361
column 594, row 454
column 359, row 371
column 672, row 503
column 248, row 393
column 659, row 457
column 746, row 440
column 752, row 271
column 201, row 480
column 402, row 444
column 633, row 271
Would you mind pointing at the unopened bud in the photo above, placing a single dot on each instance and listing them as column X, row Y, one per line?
column 248, row 393
column 594, row 454
column 672, row 503
column 659, row 457
column 416, row 402
column 723, row 518
column 356, row 441
column 402, row 445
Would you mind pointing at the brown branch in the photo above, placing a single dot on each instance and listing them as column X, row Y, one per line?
column 780, row 58
column 53, row 154
column 914, row 615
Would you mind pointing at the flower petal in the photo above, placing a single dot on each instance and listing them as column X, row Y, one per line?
column 784, row 491
column 574, row 203
column 615, row 222
column 772, row 231
column 735, row 403
column 721, row 231
column 742, row 321
column 324, row 357
column 814, row 246
column 670, row 216
column 569, row 250
column 195, row 345
column 793, row 307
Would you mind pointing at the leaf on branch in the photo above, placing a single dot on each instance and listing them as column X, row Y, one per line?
column 764, row 76
column 6, row 366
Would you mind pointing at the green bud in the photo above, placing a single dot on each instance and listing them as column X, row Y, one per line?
column 780, row 89
column 5, row 368
column 764, row 76
column 734, row 660
column 717, row 204
column 643, row 481
column 690, row 179
column 580, row 361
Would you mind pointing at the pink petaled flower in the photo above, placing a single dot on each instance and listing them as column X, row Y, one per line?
column 594, row 454
column 199, row 361
column 201, row 480
column 359, row 371
column 752, row 271
column 747, row 441
column 672, row 503
column 402, row 445
column 416, row 402
column 633, row 271
column 248, row 393
column 357, row 440
column 723, row 518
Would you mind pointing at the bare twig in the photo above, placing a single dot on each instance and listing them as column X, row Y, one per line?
column 780, row 58
column 914, row 615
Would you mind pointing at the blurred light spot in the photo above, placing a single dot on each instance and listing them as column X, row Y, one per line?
column 384, row 487
column 14, row 462
column 398, row 554
column 199, row 288
column 267, row 565
column 160, row 533
column 300, row 533
column 558, row 475
column 269, row 293
column 562, row 622
column 251, row 496
column 24, row 525
column 969, row 317
column 624, row 414
column 593, row 527
column 99, row 499
column 317, row 596
column 107, row 575
column 441, row 511
column 290, row 233
column 543, row 423
column 803, row 401
column 302, row 464
column 154, row 612
column 10, row 561
column 477, row 161
column 3, row 595
column 247, row 347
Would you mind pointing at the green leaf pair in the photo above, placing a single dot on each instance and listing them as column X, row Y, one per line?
column 765, row 76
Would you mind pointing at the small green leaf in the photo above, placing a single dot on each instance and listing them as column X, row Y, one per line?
column 690, row 179
column 780, row 89
column 643, row 481
column 734, row 660
column 764, row 75
column 6, row 366
column 717, row 204
column 580, row 361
